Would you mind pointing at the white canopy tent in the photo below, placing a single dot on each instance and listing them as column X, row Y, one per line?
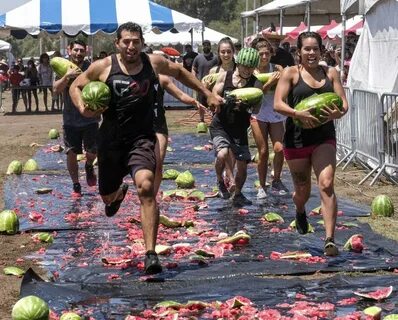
column 185, row 37
column 7, row 5
column 374, row 65
column 4, row 46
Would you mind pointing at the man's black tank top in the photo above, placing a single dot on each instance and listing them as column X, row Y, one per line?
column 232, row 120
column 132, row 98
column 297, row 137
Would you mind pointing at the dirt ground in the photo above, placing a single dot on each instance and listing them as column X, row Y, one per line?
column 19, row 131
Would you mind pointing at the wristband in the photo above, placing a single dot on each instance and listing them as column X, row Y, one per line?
column 294, row 113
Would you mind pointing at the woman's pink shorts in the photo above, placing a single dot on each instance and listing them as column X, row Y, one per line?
column 304, row 152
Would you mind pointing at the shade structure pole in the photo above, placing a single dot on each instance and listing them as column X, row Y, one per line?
column 203, row 32
column 281, row 22
column 242, row 31
column 309, row 16
column 247, row 21
column 256, row 25
column 343, row 25
column 191, row 34
column 40, row 44
column 255, row 21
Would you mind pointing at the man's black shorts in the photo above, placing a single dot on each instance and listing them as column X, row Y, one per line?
column 77, row 137
column 115, row 163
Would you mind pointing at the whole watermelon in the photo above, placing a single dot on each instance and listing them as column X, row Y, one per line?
column 61, row 65
column 9, row 222
column 96, row 95
column 53, row 134
column 15, row 167
column 318, row 102
column 30, row 308
column 382, row 206
column 250, row 96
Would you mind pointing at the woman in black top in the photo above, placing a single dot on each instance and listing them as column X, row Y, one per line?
column 33, row 76
column 311, row 147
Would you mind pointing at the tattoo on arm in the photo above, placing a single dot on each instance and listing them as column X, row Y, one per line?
column 301, row 178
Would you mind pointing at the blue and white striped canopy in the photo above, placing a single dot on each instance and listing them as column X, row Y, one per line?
column 92, row 16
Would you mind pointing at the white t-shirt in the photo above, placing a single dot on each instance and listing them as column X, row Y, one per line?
column 267, row 113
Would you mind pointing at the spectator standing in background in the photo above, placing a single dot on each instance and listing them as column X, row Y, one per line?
column 188, row 58
column 15, row 79
column 45, row 77
column 200, row 68
column 33, row 76
column 238, row 47
column 102, row 55
column 281, row 56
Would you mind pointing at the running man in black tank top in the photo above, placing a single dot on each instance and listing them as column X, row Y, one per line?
column 126, row 142
column 228, row 129
column 311, row 147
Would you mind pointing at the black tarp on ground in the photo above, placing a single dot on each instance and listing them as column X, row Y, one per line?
column 84, row 236
column 115, row 301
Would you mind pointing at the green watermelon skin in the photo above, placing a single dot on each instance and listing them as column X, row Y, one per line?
column 264, row 77
column 383, row 206
column 318, row 102
column 250, row 96
column 96, row 95
column 30, row 308
column 61, row 65
column 9, row 222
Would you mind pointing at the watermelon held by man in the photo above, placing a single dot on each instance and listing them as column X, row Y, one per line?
column 96, row 95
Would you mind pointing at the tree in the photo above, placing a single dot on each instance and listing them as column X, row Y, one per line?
column 206, row 10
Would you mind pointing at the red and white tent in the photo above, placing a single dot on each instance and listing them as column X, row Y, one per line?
column 331, row 31
column 355, row 24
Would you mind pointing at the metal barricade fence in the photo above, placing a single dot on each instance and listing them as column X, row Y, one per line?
column 345, row 133
column 170, row 101
column 369, row 128
column 389, row 134
column 1, row 99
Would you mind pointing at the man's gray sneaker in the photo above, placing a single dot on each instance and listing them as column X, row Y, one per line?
column 279, row 187
column 239, row 200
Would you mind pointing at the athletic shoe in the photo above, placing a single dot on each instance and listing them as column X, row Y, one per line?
column 279, row 187
column 90, row 175
column 152, row 264
column 112, row 208
column 330, row 248
column 77, row 188
column 222, row 190
column 261, row 194
column 301, row 223
column 239, row 200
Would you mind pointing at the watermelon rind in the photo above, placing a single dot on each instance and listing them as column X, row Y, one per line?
column 30, row 308
column 379, row 294
column 382, row 206
column 70, row 316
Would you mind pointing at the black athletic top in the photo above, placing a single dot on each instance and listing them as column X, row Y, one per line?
column 132, row 97
column 297, row 137
column 232, row 122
